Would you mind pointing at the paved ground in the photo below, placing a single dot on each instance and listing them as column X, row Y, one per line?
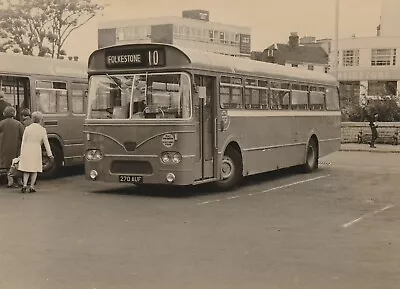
column 336, row 228
column 380, row 148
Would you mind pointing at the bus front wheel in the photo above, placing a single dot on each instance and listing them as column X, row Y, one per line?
column 231, row 170
column 51, row 168
column 311, row 163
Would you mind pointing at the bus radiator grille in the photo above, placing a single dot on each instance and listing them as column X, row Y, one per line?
column 131, row 167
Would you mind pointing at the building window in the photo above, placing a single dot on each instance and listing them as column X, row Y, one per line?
column 295, row 65
column 181, row 31
column 245, row 39
column 351, row 57
column 120, row 34
column 270, row 52
column 310, row 67
column 383, row 57
column 176, row 30
column 186, row 32
column 326, row 69
column 222, row 37
column 211, row 35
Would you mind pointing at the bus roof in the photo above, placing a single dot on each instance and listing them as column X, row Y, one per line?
column 200, row 59
column 24, row 65
column 230, row 64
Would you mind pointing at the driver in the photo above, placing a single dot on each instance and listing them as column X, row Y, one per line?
column 138, row 97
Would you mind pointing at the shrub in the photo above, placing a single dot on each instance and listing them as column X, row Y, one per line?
column 387, row 109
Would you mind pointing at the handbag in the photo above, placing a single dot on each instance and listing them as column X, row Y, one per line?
column 14, row 172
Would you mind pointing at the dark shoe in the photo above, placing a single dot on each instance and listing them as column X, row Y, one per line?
column 10, row 186
column 32, row 190
column 23, row 190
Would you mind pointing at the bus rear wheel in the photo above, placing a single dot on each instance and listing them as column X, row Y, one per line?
column 51, row 168
column 231, row 170
column 311, row 163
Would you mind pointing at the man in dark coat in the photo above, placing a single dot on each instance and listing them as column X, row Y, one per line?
column 3, row 104
column 11, row 132
column 374, row 130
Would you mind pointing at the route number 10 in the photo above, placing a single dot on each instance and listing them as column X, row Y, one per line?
column 153, row 58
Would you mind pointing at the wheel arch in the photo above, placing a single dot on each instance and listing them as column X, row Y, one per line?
column 233, row 143
column 56, row 140
column 312, row 137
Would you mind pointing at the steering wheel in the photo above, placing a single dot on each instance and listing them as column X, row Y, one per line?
column 158, row 108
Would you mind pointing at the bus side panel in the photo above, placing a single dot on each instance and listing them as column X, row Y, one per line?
column 267, row 141
column 274, row 140
column 330, row 133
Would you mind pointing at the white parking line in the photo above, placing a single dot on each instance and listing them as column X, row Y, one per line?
column 263, row 192
column 366, row 215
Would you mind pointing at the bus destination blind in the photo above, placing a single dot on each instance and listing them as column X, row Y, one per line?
column 135, row 58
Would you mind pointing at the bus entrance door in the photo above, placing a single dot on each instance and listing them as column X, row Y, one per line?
column 16, row 91
column 208, row 146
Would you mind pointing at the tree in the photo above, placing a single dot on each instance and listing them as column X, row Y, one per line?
column 41, row 27
column 23, row 27
column 66, row 17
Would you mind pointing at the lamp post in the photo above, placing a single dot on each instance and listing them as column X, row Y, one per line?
column 336, row 58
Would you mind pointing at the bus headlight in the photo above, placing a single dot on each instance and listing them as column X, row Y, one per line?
column 171, row 158
column 176, row 158
column 94, row 155
column 165, row 158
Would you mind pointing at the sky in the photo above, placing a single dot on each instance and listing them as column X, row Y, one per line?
column 271, row 21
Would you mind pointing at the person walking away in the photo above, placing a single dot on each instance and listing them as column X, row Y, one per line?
column 374, row 130
column 26, row 117
column 30, row 162
column 3, row 104
column 11, row 132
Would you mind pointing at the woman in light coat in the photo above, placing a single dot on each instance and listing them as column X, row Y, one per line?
column 30, row 162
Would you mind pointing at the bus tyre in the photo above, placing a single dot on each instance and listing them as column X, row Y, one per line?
column 51, row 168
column 311, row 157
column 231, row 170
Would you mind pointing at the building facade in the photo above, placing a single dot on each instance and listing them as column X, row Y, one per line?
column 368, row 67
column 305, row 53
column 194, row 30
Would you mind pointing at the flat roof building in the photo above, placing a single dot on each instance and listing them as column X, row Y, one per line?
column 193, row 30
column 368, row 67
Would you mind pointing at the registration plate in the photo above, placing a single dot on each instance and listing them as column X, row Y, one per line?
column 131, row 179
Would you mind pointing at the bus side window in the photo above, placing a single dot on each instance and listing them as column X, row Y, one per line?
column 317, row 100
column 79, row 97
column 51, row 97
column 299, row 98
column 332, row 99
column 279, row 99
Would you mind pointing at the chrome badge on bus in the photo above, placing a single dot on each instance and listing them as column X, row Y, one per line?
column 225, row 120
column 168, row 140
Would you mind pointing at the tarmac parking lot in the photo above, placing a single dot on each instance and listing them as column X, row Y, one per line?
column 335, row 228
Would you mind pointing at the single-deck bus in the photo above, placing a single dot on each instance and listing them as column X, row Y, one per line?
column 160, row 114
column 57, row 88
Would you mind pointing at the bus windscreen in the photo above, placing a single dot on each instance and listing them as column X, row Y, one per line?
column 140, row 96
